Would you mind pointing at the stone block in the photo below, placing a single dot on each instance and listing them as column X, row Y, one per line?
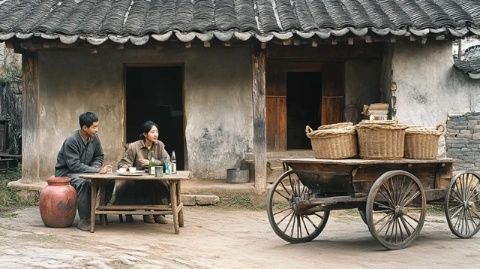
column 207, row 199
column 464, row 135
column 473, row 117
column 189, row 200
column 452, row 145
column 456, row 117
column 476, row 136
column 455, row 140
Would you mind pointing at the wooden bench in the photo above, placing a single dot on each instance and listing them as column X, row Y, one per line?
column 8, row 164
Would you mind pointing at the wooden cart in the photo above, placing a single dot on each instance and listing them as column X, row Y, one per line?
column 391, row 196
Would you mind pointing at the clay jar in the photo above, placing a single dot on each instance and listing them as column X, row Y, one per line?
column 58, row 203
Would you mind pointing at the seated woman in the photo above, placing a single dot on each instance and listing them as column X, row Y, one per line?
column 139, row 154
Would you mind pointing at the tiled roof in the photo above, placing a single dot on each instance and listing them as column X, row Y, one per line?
column 471, row 62
column 138, row 21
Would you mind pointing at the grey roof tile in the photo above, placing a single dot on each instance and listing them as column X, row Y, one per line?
column 471, row 62
column 137, row 18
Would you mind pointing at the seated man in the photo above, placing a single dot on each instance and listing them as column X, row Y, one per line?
column 81, row 153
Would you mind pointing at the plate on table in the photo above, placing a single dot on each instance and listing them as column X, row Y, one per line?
column 129, row 174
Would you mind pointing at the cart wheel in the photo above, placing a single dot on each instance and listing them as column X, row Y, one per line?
column 396, row 207
column 462, row 205
column 286, row 220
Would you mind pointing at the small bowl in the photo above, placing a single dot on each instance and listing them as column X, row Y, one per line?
column 122, row 170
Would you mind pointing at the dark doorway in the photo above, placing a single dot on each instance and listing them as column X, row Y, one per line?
column 304, row 96
column 156, row 93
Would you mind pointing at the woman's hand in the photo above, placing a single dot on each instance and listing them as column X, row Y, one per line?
column 144, row 162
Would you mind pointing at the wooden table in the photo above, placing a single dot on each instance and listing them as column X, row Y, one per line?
column 98, row 182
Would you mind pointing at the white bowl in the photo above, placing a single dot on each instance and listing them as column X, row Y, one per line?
column 122, row 170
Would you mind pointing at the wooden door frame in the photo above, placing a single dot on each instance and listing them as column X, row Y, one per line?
column 124, row 103
column 333, row 80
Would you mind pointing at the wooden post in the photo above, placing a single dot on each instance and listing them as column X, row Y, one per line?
column 30, row 119
column 259, row 130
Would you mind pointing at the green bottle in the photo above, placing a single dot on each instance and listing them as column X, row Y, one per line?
column 151, row 166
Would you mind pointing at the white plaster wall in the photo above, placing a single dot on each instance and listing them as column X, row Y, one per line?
column 73, row 82
column 428, row 87
column 217, row 96
column 219, row 126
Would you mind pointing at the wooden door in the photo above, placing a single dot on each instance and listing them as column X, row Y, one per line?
column 333, row 93
column 332, row 101
column 276, row 109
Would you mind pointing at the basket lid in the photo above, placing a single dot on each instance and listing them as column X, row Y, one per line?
column 335, row 126
column 381, row 124
column 439, row 130
column 329, row 132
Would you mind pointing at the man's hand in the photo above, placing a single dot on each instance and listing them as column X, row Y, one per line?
column 144, row 162
column 105, row 169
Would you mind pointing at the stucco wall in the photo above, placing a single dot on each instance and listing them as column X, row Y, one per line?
column 217, row 96
column 72, row 82
column 428, row 88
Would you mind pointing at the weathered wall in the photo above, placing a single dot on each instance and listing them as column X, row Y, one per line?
column 463, row 140
column 217, row 96
column 426, row 86
column 362, row 82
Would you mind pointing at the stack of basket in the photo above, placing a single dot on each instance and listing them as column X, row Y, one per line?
column 381, row 139
column 422, row 142
column 334, row 141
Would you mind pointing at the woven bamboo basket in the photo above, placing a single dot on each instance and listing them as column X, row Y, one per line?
column 422, row 142
column 335, row 141
column 381, row 139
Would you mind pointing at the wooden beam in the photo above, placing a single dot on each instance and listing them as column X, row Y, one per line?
column 30, row 120
column 259, row 122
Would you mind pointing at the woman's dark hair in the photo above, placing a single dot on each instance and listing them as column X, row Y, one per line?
column 87, row 119
column 146, row 127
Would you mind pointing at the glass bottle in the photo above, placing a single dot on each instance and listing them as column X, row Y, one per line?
column 151, row 166
column 168, row 168
column 174, row 163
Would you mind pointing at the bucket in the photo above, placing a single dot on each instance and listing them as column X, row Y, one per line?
column 236, row 175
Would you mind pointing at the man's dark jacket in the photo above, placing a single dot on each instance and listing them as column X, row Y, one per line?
column 79, row 156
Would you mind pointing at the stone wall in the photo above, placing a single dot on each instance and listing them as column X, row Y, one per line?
column 463, row 140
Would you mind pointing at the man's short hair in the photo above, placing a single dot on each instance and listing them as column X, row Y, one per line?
column 87, row 119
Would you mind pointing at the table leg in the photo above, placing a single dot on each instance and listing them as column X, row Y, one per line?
column 101, row 201
column 179, row 201
column 93, row 205
column 173, row 200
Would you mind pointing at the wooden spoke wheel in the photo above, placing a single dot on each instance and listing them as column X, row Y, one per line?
column 287, row 220
column 462, row 205
column 396, row 207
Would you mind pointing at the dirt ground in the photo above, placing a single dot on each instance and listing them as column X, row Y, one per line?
column 216, row 237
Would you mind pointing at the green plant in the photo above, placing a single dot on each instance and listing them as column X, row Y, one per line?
column 246, row 201
column 9, row 199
